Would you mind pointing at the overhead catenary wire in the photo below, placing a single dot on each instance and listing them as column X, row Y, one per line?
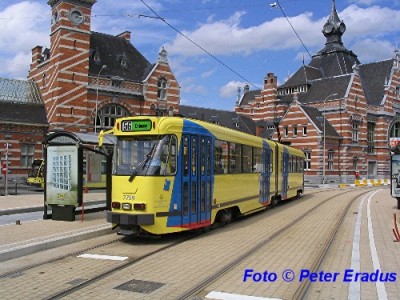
column 197, row 45
column 273, row 5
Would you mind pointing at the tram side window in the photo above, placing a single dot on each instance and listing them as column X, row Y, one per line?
column 220, row 157
column 235, row 158
column 301, row 165
column 257, row 162
column 246, row 159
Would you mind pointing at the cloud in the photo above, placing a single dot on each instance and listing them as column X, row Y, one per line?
column 17, row 66
column 229, row 37
column 373, row 50
column 230, row 89
column 208, row 73
column 26, row 25
column 364, row 2
column 372, row 21
column 23, row 26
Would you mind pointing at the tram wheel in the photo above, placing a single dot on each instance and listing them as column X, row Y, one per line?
column 226, row 216
column 274, row 202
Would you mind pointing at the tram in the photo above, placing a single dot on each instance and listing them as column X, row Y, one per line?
column 36, row 174
column 173, row 174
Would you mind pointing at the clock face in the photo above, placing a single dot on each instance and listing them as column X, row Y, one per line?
column 342, row 28
column 76, row 17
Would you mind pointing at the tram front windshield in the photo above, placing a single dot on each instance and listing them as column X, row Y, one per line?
column 146, row 155
column 34, row 170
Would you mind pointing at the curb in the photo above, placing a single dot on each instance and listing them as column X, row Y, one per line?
column 43, row 244
column 23, row 210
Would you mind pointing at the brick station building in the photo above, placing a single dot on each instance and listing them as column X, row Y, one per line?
column 88, row 79
column 340, row 112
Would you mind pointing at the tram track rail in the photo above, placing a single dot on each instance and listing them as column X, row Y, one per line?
column 105, row 274
column 58, row 258
column 301, row 291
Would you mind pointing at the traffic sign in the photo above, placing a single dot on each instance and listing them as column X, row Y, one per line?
column 4, row 169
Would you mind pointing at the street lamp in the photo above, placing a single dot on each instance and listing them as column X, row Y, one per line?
column 324, row 136
column 97, row 97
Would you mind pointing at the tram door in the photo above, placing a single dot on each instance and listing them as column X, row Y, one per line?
column 285, row 172
column 197, row 180
column 265, row 177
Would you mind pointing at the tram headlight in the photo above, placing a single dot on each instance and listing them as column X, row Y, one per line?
column 116, row 205
column 126, row 206
column 139, row 206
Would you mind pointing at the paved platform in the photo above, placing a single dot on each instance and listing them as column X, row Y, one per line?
column 23, row 238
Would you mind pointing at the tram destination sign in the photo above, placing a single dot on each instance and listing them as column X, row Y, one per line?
column 136, row 125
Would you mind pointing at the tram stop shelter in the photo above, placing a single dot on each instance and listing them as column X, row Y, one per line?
column 394, row 146
column 72, row 162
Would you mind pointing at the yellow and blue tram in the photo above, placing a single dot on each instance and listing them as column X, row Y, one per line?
column 173, row 174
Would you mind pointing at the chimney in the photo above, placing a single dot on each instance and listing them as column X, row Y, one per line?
column 37, row 54
column 270, row 81
column 126, row 35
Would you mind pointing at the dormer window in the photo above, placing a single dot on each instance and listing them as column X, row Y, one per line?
column 123, row 60
column 96, row 56
column 215, row 120
column 162, row 89
column 116, row 81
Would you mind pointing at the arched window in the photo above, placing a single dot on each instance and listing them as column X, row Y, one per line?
column 108, row 114
column 162, row 89
column 395, row 130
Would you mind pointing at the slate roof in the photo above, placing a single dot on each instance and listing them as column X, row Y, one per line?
column 302, row 77
column 249, row 96
column 23, row 113
column 318, row 119
column 373, row 79
column 21, row 91
column 224, row 118
column 111, row 50
column 322, row 89
column 334, row 62
column 21, row 102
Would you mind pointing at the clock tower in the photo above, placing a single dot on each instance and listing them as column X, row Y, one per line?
column 62, row 71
